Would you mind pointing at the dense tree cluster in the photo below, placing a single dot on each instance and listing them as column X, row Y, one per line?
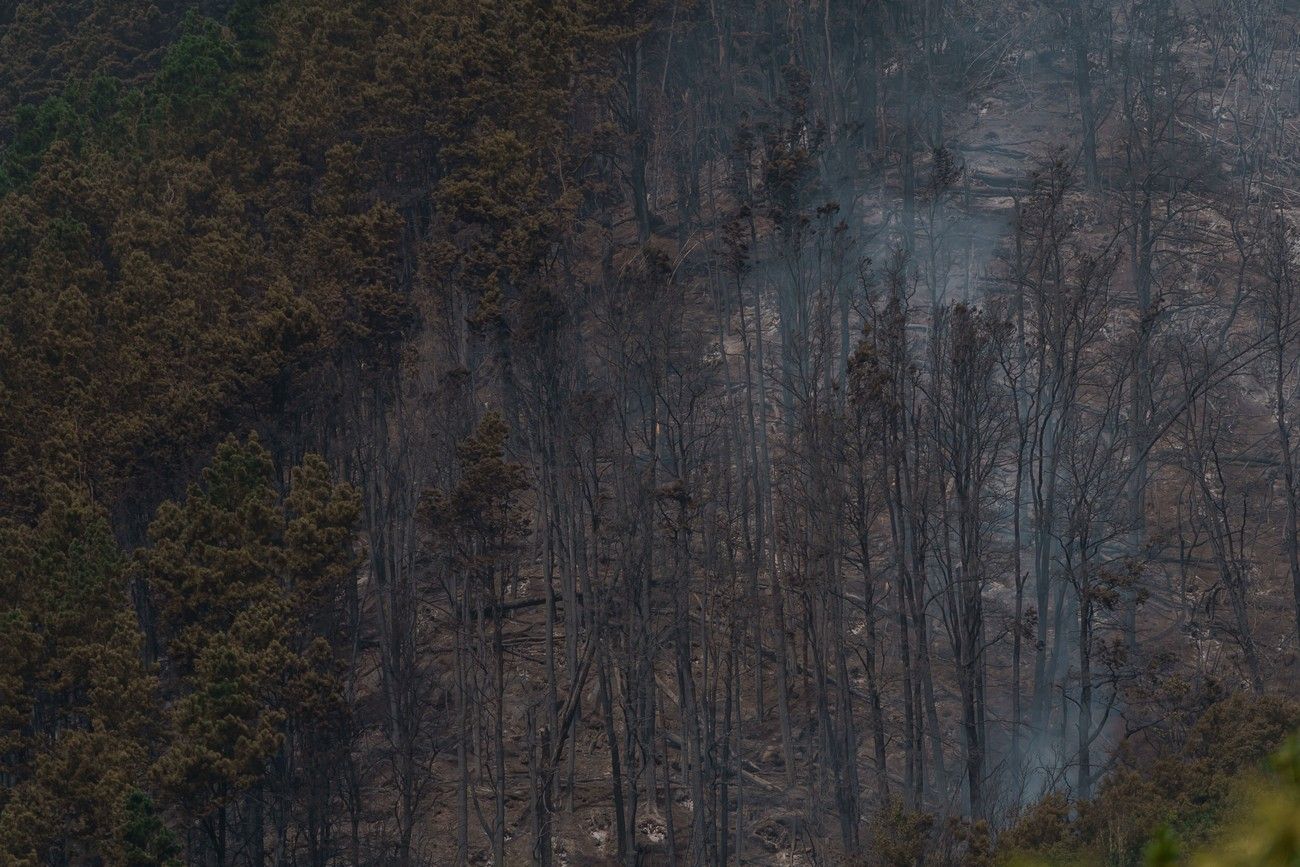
column 645, row 431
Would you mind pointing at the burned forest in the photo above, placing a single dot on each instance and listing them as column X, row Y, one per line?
column 649, row 432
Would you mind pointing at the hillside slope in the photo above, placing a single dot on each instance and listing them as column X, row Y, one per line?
column 644, row 431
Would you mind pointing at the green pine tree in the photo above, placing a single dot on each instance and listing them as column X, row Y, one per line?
column 76, row 702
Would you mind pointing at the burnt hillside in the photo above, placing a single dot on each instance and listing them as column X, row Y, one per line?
column 645, row 431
